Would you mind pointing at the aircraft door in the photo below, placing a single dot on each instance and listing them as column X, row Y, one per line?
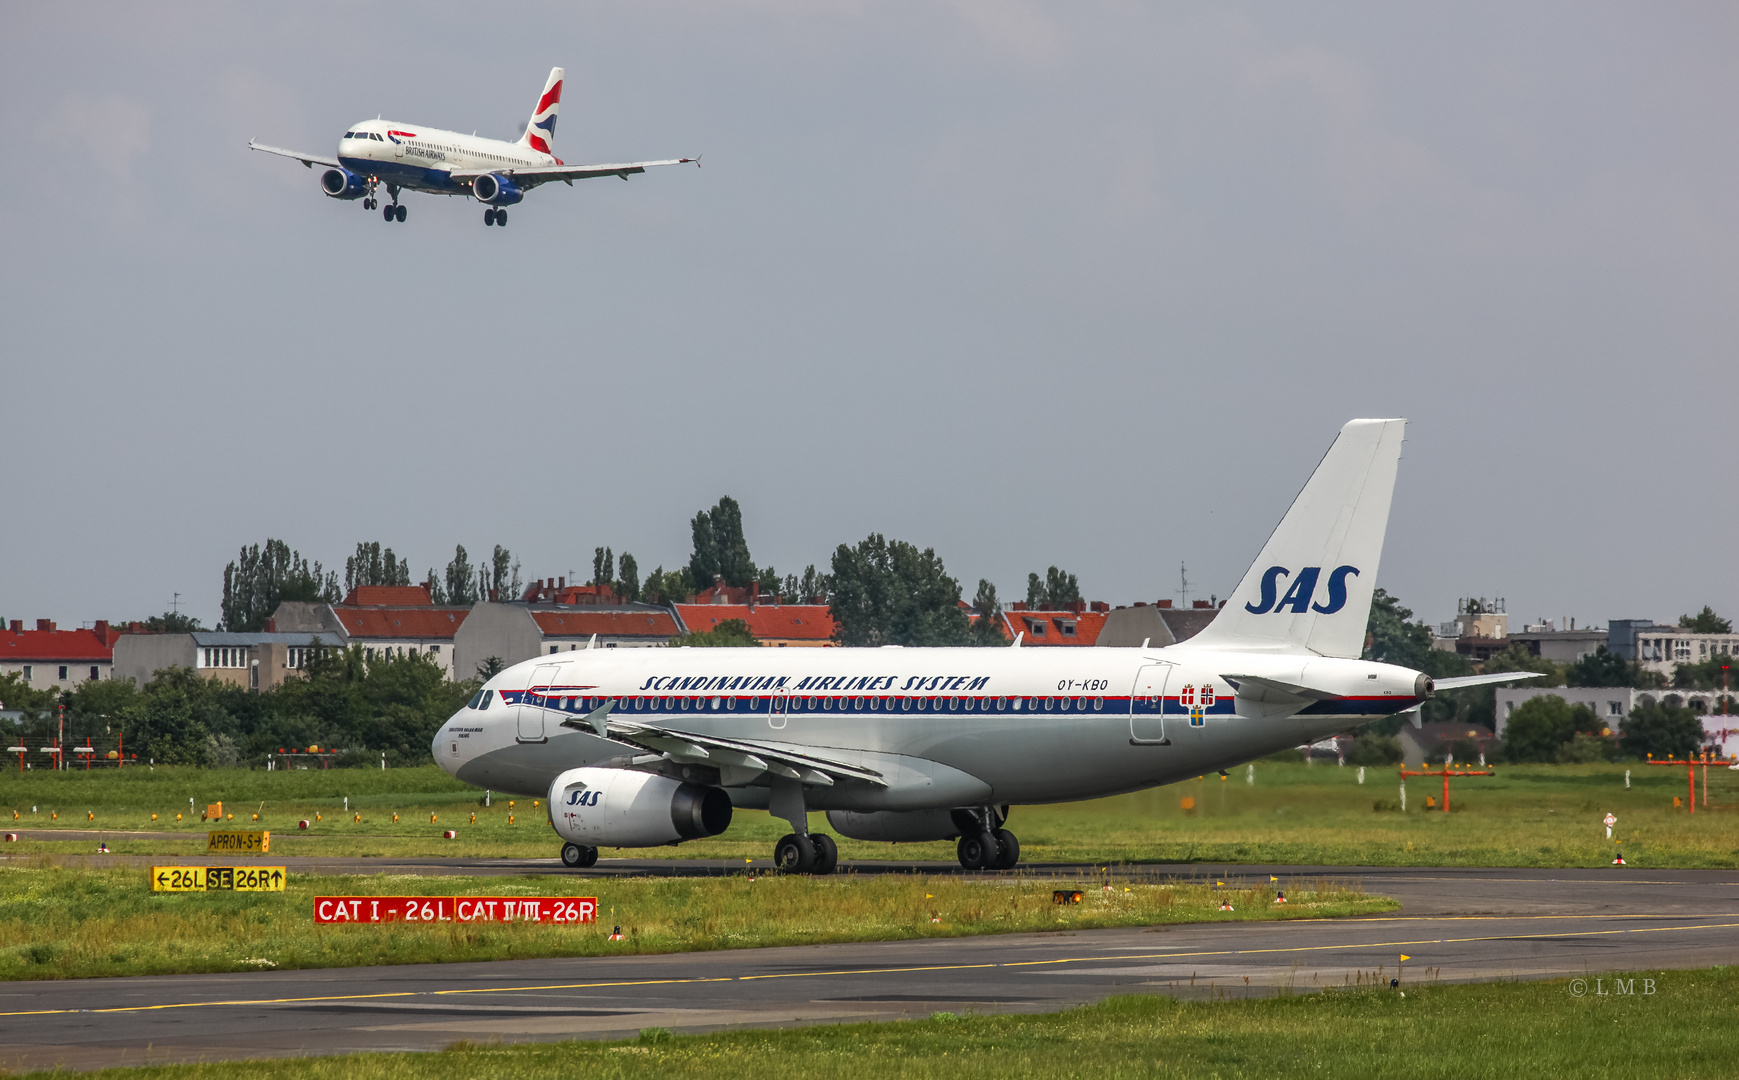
column 1147, row 705
column 531, row 706
column 776, row 712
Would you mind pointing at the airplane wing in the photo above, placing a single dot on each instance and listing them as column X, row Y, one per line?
column 543, row 174
column 780, row 759
column 308, row 160
column 1456, row 682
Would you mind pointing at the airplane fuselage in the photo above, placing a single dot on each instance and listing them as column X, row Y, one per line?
column 423, row 158
column 943, row 727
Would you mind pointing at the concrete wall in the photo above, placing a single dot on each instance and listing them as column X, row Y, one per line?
column 501, row 630
column 140, row 656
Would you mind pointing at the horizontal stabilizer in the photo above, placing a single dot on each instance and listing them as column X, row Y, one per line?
column 1274, row 692
column 1459, row 681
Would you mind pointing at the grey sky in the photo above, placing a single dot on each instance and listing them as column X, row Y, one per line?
column 1085, row 284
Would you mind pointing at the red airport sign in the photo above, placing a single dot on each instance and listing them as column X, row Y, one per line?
column 558, row 910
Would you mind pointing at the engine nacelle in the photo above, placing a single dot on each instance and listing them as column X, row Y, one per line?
column 623, row 808
column 896, row 826
column 343, row 184
column 496, row 190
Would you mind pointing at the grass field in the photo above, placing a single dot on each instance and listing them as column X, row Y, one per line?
column 1538, row 815
column 1509, row 1030
column 57, row 922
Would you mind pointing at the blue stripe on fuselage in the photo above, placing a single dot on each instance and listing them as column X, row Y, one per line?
column 415, row 177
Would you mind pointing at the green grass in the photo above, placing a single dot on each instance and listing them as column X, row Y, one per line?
column 1510, row 1030
column 58, row 922
column 1535, row 815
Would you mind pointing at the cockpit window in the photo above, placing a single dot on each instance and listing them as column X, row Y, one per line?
column 375, row 137
column 488, row 696
column 476, row 700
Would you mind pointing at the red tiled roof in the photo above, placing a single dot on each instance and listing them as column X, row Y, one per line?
column 768, row 622
column 395, row 623
column 582, row 623
column 74, row 645
column 388, row 595
column 1086, row 624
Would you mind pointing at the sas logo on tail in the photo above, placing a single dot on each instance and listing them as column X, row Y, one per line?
column 1303, row 588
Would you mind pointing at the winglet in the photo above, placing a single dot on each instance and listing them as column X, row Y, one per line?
column 1016, row 642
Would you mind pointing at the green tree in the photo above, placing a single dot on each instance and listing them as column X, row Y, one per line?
column 1391, row 635
column 170, row 622
column 732, row 633
column 1537, row 728
column 1706, row 674
column 373, row 565
column 462, row 580
column 262, row 578
column 769, row 581
column 987, row 629
column 811, row 588
column 437, row 594
column 890, row 593
column 719, row 547
column 667, row 588
column 1054, row 592
column 501, row 579
column 1602, row 667
column 628, row 588
column 489, row 668
column 1706, row 622
column 1666, row 731
column 603, row 566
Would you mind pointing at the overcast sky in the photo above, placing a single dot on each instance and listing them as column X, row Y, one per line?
column 1083, row 284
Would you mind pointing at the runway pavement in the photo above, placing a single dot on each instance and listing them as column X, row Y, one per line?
column 1457, row 924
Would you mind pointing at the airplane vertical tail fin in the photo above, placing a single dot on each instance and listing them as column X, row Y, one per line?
column 1310, row 588
column 540, row 130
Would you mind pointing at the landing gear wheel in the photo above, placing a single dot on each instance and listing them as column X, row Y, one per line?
column 388, row 213
column 578, row 856
column 501, row 218
column 826, row 853
column 976, row 850
column 489, row 216
column 795, row 854
column 1007, row 850
column 400, row 211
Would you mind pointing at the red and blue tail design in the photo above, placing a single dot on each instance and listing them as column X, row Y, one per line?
column 540, row 132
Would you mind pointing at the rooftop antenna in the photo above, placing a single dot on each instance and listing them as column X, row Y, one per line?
column 175, row 604
column 1184, row 578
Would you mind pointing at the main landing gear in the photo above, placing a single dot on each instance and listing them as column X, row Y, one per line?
column 812, row 853
column 493, row 216
column 984, row 843
column 395, row 212
column 578, row 856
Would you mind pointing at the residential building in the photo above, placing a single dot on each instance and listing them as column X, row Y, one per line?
column 1158, row 624
column 1663, row 648
column 513, row 632
column 1549, row 641
column 1080, row 623
column 1611, row 704
column 1480, row 628
column 775, row 625
column 48, row 658
column 255, row 661
column 382, row 620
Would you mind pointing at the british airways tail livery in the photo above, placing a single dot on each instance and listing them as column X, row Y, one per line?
column 415, row 157
column 642, row 747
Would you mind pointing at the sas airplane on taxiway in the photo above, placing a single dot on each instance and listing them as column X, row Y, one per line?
column 642, row 747
column 412, row 157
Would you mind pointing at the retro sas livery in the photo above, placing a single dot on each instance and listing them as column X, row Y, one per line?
column 640, row 747
column 412, row 157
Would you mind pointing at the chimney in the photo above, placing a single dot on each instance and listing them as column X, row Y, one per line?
column 754, row 593
column 135, row 628
column 492, row 596
column 271, row 625
column 562, row 582
column 1201, row 605
column 101, row 629
column 1162, row 603
column 44, row 624
column 1141, row 603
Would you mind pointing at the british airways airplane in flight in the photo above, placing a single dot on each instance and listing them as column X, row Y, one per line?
column 643, row 747
column 411, row 157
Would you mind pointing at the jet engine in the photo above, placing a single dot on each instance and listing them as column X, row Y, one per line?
column 898, row 826
column 496, row 190
column 598, row 807
column 343, row 184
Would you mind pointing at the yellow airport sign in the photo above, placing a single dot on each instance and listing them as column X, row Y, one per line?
column 218, row 878
column 223, row 842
